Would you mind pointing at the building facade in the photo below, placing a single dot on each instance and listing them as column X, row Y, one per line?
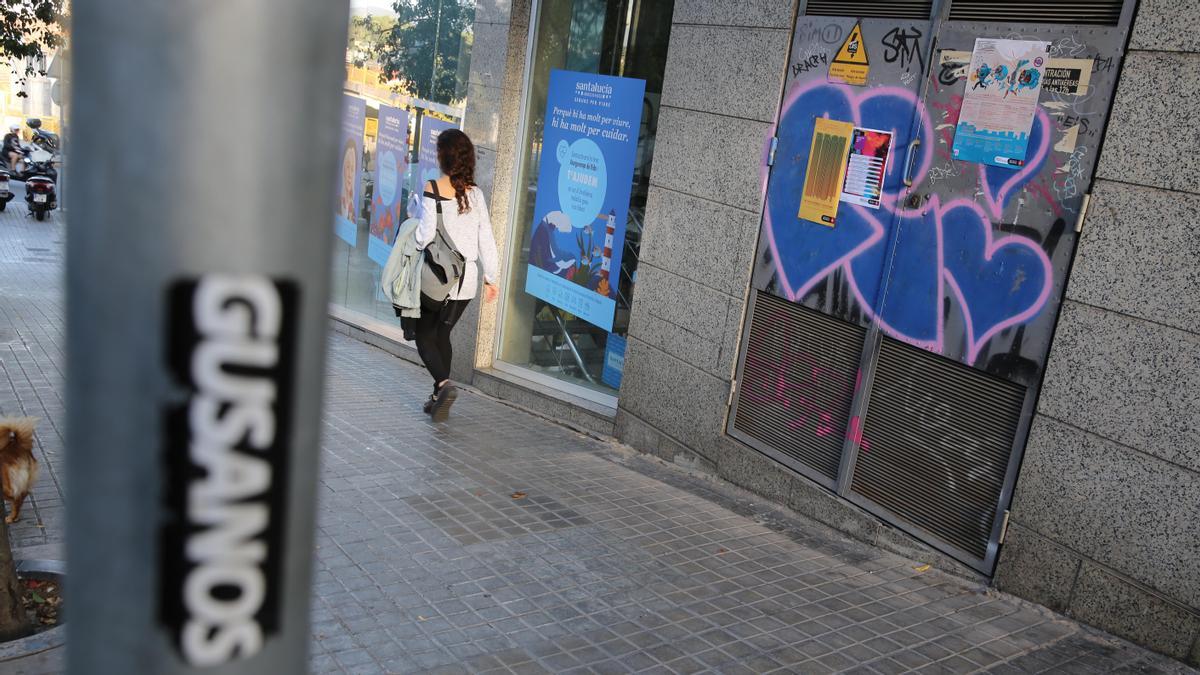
column 991, row 368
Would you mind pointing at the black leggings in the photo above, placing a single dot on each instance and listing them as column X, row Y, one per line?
column 433, row 335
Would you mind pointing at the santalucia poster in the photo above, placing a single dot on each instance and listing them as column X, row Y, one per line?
column 391, row 161
column 1004, row 82
column 349, row 182
column 589, row 147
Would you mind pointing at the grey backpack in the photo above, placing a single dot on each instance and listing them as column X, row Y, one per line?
column 445, row 268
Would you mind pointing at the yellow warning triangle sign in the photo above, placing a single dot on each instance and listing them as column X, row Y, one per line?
column 854, row 49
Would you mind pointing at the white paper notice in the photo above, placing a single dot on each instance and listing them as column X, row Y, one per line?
column 865, row 171
column 1004, row 82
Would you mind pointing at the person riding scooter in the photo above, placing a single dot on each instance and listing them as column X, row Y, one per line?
column 12, row 147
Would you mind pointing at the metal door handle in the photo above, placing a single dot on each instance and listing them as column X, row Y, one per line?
column 908, row 160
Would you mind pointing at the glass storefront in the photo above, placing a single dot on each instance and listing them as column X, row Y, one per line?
column 396, row 101
column 567, row 300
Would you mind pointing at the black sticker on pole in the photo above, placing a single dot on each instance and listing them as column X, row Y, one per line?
column 230, row 341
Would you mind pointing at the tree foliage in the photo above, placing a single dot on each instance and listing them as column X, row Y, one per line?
column 367, row 34
column 422, row 50
column 30, row 31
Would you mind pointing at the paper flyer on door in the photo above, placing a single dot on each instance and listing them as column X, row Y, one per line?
column 826, row 171
column 391, row 158
column 349, row 183
column 870, row 150
column 588, row 151
column 1004, row 82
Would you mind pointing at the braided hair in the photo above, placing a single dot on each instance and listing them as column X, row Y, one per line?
column 456, row 157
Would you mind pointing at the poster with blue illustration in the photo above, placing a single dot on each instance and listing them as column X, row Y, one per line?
column 588, row 151
column 349, row 183
column 1004, row 82
column 614, row 361
column 391, row 158
column 427, row 161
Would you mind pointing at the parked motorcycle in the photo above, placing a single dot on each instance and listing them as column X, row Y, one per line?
column 34, row 161
column 41, row 194
column 43, row 139
column 6, row 193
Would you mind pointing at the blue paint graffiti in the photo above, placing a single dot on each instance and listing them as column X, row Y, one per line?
column 941, row 249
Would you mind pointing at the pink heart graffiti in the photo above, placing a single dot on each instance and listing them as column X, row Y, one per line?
column 995, row 281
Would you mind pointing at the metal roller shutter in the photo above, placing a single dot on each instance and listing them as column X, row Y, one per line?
column 867, row 9
column 798, row 382
column 939, row 436
column 1089, row 12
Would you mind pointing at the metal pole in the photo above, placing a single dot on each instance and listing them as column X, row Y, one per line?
column 197, row 286
column 64, row 87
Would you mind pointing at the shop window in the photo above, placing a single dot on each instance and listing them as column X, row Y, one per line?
column 406, row 81
column 544, row 335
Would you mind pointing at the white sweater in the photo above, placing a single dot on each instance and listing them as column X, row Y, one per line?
column 471, row 233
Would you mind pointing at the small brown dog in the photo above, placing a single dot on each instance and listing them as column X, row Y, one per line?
column 18, row 468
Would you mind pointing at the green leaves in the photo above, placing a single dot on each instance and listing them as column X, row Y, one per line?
column 30, row 32
column 427, row 48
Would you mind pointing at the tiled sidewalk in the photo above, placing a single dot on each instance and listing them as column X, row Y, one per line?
column 31, row 357
column 502, row 543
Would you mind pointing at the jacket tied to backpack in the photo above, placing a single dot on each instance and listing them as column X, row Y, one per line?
column 401, row 278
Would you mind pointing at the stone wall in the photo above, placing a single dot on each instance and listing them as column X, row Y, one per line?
column 722, row 88
column 1106, row 516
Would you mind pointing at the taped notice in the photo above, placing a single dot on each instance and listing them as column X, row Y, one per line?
column 1068, row 76
column 851, row 64
column 870, row 150
column 826, row 171
column 954, row 65
column 1003, row 84
column 1062, row 76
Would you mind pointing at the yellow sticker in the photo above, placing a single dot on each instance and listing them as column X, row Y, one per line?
column 851, row 64
column 826, row 171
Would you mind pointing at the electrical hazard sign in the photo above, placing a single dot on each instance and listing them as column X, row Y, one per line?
column 851, row 64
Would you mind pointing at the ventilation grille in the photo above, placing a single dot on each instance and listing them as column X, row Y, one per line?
column 798, row 382
column 867, row 9
column 1096, row 12
column 936, row 444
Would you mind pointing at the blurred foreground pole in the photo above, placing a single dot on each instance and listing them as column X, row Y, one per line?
column 197, row 284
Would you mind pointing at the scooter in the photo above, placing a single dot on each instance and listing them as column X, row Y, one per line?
column 6, row 194
column 41, row 195
column 43, row 139
column 34, row 162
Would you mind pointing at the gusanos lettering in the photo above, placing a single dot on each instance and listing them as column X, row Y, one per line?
column 230, row 342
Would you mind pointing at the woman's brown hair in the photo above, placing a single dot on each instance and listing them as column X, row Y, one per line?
column 456, row 157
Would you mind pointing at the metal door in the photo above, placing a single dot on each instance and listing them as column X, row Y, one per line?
column 800, row 369
column 951, row 288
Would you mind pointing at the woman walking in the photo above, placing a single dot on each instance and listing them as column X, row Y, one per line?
column 460, row 204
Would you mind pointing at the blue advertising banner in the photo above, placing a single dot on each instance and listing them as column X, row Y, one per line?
column 614, row 361
column 391, row 158
column 431, row 128
column 349, row 184
column 588, row 151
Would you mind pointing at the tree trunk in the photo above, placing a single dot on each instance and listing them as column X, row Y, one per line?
column 12, row 610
